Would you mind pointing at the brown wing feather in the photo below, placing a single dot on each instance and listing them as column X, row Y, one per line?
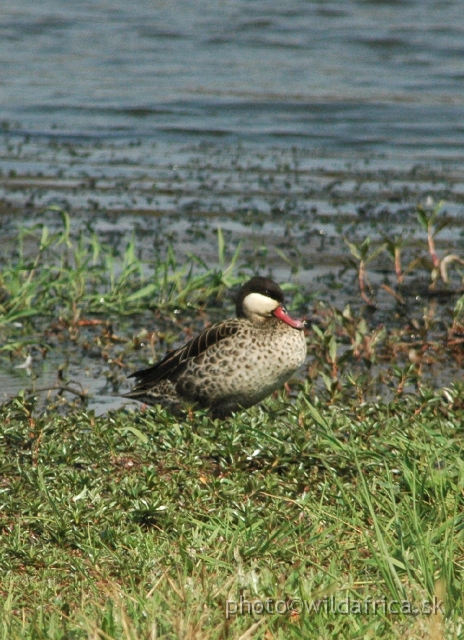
column 175, row 361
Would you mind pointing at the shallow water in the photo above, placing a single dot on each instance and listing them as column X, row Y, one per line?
column 290, row 209
column 289, row 127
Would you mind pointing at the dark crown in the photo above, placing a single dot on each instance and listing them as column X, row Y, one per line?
column 258, row 284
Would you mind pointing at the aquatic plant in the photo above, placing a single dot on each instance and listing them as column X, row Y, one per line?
column 363, row 255
column 430, row 221
column 70, row 279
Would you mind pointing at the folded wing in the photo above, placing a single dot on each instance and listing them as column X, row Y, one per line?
column 175, row 362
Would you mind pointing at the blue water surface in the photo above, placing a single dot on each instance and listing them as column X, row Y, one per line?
column 385, row 76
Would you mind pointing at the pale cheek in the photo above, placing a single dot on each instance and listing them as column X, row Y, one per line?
column 256, row 303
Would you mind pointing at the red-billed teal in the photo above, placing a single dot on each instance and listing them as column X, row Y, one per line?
column 233, row 364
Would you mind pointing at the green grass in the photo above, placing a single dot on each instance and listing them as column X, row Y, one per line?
column 56, row 276
column 139, row 526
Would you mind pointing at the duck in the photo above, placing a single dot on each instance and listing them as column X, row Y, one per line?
column 233, row 364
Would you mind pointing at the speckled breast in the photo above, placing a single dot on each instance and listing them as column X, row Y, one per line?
column 245, row 368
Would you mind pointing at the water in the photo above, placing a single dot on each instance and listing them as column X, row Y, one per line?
column 290, row 127
column 383, row 76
